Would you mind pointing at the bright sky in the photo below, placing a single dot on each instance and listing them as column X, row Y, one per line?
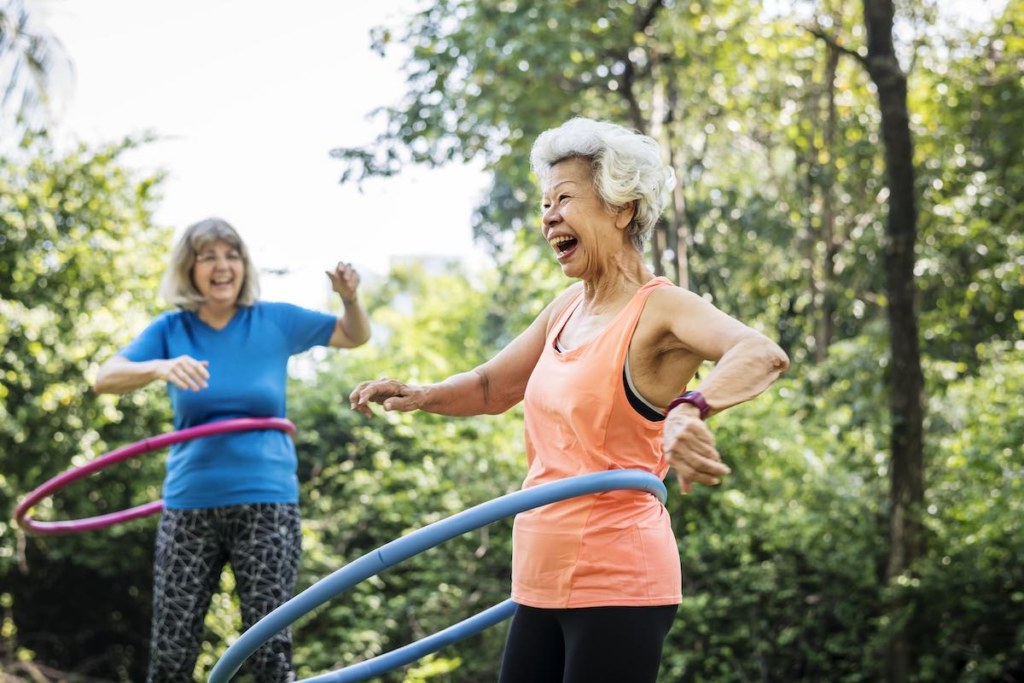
column 250, row 97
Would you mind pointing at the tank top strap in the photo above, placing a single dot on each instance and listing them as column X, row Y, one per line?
column 631, row 316
column 563, row 317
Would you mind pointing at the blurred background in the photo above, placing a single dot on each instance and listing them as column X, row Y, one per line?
column 850, row 182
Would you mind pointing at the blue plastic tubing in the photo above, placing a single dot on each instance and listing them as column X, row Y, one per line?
column 415, row 543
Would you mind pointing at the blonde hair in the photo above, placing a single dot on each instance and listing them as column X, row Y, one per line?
column 177, row 287
column 626, row 167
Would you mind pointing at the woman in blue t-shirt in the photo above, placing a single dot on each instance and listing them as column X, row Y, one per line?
column 233, row 497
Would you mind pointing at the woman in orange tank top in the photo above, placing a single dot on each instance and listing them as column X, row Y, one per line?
column 603, row 371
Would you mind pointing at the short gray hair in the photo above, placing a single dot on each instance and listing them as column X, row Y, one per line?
column 626, row 167
column 177, row 287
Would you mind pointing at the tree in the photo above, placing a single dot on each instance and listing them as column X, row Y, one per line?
column 34, row 69
column 905, row 377
column 906, row 380
column 79, row 263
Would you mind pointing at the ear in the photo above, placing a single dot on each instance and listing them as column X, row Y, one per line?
column 624, row 216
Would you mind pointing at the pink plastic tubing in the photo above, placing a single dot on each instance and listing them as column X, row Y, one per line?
column 138, row 448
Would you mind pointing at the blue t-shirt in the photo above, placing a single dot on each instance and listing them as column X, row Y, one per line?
column 248, row 365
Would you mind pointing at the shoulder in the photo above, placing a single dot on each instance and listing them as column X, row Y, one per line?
column 668, row 305
column 276, row 309
column 563, row 300
column 168, row 320
column 672, row 296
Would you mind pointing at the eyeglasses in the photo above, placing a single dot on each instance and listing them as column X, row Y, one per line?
column 211, row 257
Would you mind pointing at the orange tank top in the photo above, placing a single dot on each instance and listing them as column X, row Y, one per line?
column 608, row 549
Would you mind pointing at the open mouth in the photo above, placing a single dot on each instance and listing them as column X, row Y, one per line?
column 563, row 244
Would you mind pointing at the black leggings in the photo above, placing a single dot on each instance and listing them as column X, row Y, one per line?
column 585, row 645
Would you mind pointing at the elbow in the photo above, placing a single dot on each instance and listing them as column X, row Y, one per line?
column 348, row 336
column 100, row 384
column 765, row 355
column 778, row 359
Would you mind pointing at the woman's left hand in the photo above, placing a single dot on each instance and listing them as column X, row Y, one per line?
column 344, row 280
column 690, row 450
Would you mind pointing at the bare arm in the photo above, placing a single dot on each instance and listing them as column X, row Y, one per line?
column 746, row 363
column 120, row 375
column 352, row 328
column 489, row 389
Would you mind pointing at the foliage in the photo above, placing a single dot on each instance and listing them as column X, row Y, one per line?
column 784, row 564
column 34, row 69
column 78, row 253
column 970, row 585
column 972, row 263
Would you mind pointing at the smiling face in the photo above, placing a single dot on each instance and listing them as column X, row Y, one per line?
column 583, row 231
column 218, row 274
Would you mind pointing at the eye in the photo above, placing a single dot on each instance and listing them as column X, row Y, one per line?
column 206, row 257
column 562, row 197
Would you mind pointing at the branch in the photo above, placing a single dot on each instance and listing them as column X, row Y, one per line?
column 834, row 43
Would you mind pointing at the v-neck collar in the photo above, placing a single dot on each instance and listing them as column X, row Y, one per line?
column 229, row 323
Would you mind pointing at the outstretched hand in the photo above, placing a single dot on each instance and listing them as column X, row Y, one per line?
column 344, row 280
column 690, row 451
column 390, row 394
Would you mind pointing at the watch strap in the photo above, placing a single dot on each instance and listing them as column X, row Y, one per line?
column 694, row 398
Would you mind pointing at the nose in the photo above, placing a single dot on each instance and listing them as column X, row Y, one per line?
column 551, row 216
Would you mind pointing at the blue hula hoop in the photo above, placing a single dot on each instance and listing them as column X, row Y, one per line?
column 415, row 543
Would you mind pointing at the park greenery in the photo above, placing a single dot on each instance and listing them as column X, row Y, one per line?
column 774, row 117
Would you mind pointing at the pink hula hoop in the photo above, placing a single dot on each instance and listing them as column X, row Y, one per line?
column 138, row 448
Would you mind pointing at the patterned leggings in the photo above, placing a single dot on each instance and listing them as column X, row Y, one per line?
column 262, row 542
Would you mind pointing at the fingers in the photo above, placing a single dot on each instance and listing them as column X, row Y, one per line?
column 390, row 394
column 690, row 451
column 691, row 469
column 344, row 278
column 187, row 373
column 359, row 401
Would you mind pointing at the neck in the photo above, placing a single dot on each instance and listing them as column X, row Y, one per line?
column 622, row 278
column 216, row 315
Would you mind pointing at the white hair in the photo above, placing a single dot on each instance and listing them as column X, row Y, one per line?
column 626, row 167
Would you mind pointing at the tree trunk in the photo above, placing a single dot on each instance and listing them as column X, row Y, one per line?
column 672, row 234
column 906, row 383
column 827, row 304
column 680, row 230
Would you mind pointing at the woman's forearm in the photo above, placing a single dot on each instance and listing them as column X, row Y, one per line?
column 468, row 393
column 120, row 375
column 356, row 322
column 461, row 395
column 743, row 372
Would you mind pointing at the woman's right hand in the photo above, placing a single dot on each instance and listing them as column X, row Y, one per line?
column 185, row 372
column 390, row 394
